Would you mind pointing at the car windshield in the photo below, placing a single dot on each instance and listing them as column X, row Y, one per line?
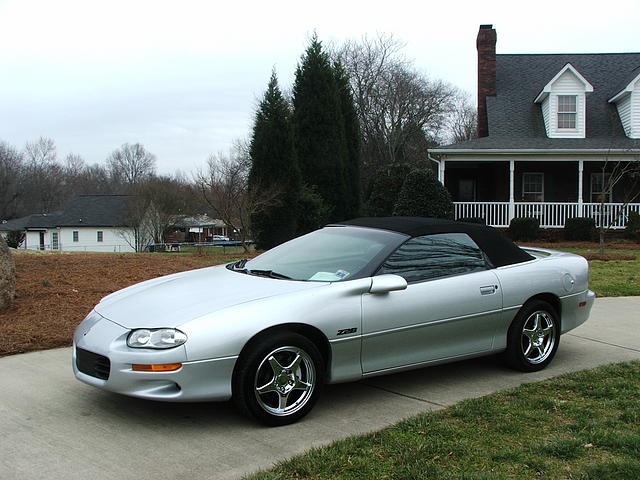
column 331, row 254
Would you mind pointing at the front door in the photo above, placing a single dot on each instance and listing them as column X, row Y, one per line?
column 451, row 307
column 467, row 189
column 41, row 240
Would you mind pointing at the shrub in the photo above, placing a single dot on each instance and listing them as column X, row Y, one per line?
column 473, row 220
column 524, row 228
column 384, row 189
column 579, row 229
column 422, row 195
column 314, row 211
column 15, row 238
column 633, row 227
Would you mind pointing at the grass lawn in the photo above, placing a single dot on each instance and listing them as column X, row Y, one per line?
column 582, row 426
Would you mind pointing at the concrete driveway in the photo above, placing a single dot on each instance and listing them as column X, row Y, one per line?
column 54, row 427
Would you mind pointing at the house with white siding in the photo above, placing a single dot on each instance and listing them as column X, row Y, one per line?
column 551, row 130
column 90, row 223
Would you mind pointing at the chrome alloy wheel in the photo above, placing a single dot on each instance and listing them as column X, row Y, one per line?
column 538, row 337
column 285, row 381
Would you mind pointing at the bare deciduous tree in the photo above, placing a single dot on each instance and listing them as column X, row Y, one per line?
column 11, row 171
column 463, row 119
column 41, row 152
column 393, row 99
column 619, row 175
column 166, row 198
column 224, row 187
column 43, row 182
column 136, row 231
column 132, row 164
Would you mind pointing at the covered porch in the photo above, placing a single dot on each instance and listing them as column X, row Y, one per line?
column 549, row 189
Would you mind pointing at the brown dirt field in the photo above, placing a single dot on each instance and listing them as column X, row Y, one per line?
column 54, row 292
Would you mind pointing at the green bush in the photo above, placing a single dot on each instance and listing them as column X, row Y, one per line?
column 579, row 229
column 314, row 211
column 633, row 227
column 383, row 190
column 14, row 238
column 422, row 195
column 524, row 228
column 473, row 220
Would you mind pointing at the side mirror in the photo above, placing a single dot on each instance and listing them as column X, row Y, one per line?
column 387, row 283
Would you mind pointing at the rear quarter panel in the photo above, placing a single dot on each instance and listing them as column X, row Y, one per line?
column 563, row 275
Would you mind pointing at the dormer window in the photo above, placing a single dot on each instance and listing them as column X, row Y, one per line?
column 627, row 103
column 563, row 102
column 567, row 111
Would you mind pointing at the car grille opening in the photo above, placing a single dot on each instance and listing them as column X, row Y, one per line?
column 92, row 364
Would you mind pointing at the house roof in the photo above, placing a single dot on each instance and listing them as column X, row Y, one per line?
column 516, row 122
column 33, row 222
column 82, row 211
column 185, row 221
column 96, row 211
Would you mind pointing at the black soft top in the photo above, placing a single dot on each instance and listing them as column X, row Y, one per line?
column 500, row 250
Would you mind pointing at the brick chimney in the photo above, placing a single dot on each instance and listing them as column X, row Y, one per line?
column 486, row 45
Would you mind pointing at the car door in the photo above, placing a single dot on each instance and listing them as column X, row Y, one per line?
column 451, row 306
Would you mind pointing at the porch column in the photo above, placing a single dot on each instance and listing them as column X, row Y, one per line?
column 441, row 170
column 512, row 195
column 580, row 171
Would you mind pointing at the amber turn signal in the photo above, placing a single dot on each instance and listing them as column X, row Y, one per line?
column 166, row 367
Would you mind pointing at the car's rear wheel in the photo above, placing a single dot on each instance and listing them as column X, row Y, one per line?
column 533, row 338
column 279, row 379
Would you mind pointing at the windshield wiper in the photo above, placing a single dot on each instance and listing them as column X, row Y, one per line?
column 239, row 265
column 267, row 273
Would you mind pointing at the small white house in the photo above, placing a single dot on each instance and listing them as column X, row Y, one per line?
column 91, row 223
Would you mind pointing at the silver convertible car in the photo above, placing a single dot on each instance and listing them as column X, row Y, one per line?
column 365, row 297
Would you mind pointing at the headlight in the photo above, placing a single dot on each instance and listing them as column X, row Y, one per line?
column 156, row 338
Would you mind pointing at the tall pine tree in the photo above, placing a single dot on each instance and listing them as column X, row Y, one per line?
column 274, row 178
column 319, row 129
column 352, row 142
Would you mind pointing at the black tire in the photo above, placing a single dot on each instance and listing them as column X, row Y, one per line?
column 278, row 378
column 533, row 337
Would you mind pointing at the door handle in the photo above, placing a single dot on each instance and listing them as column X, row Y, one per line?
column 488, row 289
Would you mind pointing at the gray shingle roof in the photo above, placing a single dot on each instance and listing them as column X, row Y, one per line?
column 515, row 122
column 96, row 211
column 34, row 221
column 82, row 211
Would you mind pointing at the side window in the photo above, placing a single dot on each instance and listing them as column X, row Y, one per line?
column 433, row 256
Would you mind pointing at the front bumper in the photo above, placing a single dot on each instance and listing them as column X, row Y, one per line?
column 200, row 380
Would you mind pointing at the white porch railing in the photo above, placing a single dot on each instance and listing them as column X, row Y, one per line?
column 550, row 214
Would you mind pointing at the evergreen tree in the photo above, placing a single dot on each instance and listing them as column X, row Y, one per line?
column 274, row 178
column 314, row 212
column 422, row 195
column 352, row 142
column 384, row 189
column 319, row 129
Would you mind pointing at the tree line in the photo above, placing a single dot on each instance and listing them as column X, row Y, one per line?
column 319, row 152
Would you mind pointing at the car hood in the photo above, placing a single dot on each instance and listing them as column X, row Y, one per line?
column 176, row 299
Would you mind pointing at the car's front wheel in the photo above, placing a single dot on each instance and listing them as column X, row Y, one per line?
column 279, row 378
column 533, row 338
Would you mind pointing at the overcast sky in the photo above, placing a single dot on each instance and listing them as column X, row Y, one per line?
column 184, row 77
